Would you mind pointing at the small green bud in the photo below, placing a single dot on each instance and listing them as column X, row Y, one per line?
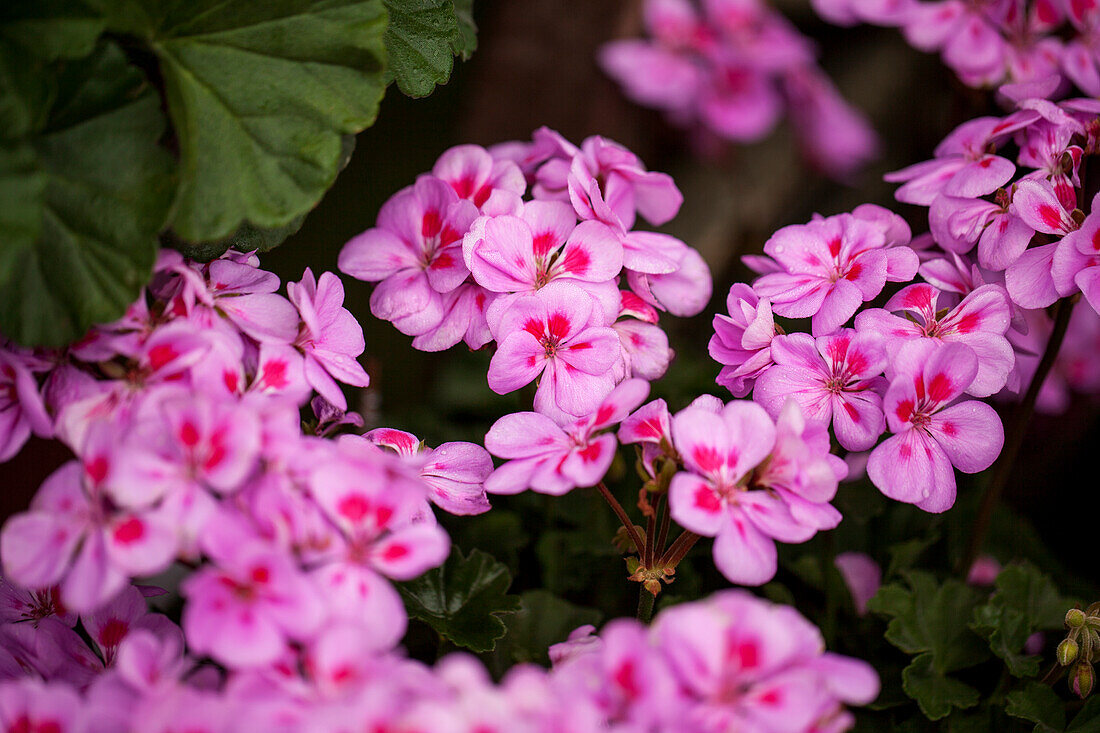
column 1083, row 678
column 1067, row 652
column 1075, row 618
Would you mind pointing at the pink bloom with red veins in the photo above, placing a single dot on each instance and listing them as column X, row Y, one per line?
column 831, row 266
column 1075, row 261
column 329, row 337
column 72, row 537
column 476, row 177
column 1046, row 146
column 280, row 371
column 454, row 472
column 558, row 333
column 959, row 223
column 834, row 379
column 513, row 254
column 245, row 295
column 185, row 443
column 683, row 292
column 967, row 37
column 372, row 500
column 464, row 310
column 862, row 575
column 109, row 625
column 720, row 451
column 415, row 251
column 553, row 460
column 245, row 607
column 21, row 408
column 650, row 425
column 645, row 345
column 742, row 340
column 980, row 322
column 746, row 664
column 24, row 605
column 930, row 433
column 29, row 706
column 963, row 165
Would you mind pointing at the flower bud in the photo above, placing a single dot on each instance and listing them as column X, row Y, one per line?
column 1083, row 677
column 1075, row 618
column 1066, row 652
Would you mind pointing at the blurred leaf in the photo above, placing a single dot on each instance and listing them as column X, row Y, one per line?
column 84, row 199
column 904, row 555
column 422, row 39
column 935, row 692
column 1087, row 719
column 261, row 95
column 543, row 620
column 1039, row 704
column 466, row 41
column 1025, row 601
column 51, row 29
column 463, row 600
column 498, row 532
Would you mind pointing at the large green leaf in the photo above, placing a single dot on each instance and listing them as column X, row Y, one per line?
column 543, row 620
column 261, row 95
column 51, row 29
column 422, row 39
column 466, row 40
column 85, row 198
column 1026, row 601
column 463, row 600
column 1039, row 704
column 935, row 692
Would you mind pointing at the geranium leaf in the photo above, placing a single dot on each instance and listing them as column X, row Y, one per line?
column 1039, row 704
column 464, row 599
column 422, row 39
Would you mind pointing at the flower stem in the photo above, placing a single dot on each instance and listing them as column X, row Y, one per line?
column 662, row 534
column 616, row 507
column 650, row 532
column 645, row 604
column 1014, row 435
column 678, row 549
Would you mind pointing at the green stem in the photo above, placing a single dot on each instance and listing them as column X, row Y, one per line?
column 650, row 533
column 678, row 549
column 616, row 507
column 1014, row 436
column 662, row 534
column 645, row 605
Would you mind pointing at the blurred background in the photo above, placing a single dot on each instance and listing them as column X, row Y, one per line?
column 535, row 66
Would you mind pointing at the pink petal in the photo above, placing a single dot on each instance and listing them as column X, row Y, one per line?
column 911, row 467
column 695, row 505
column 519, row 359
column 408, row 552
column 1029, row 280
column 743, row 554
column 970, row 433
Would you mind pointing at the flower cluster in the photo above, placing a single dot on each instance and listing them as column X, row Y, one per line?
column 731, row 68
column 727, row 662
column 186, row 421
column 532, row 246
column 990, row 42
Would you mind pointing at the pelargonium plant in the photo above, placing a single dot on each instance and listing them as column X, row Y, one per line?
column 231, row 543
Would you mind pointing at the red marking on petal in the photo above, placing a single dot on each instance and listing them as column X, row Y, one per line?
column 160, row 355
column 854, row 271
column 949, row 429
column 1050, row 216
column 558, row 325
column 383, row 515
column 353, row 507
column 837, row 349
column 216, row 456
column 449, row 236
column 260, row 575
column 706, row 458
column 576, row 261
column 590, row 452
column 746, row 653
column 533, row 327
column 112, row 633
column 986, row 161
column 852, row 413
column 96, row 468
column 580, row 346
column 905, row 451
column 394, row 552
column 431, row 224
column 1096, row 240
column 132, row 530
column 464, row 187
column 189, row 434
column 232, row 380
column 442, row 261
column 904, row 410
column 770, row 698
column 275, row 374
column 604, row 413
column 968, row 323
column 625, row 679
column 834, row 246
column 482, row 195
column 707, row 500
column 940, row 387
column 543, row 242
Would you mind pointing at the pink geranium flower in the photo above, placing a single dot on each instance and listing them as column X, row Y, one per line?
column 329, row 337
column 932, row 432
column 829, row 267
column 742, row 340
column 980, row 322
column 479, row 178
column 1074, row 266
column 21, row 408
column 415, row 251
column 554, row 460
column 834, row 379
column 558, row 333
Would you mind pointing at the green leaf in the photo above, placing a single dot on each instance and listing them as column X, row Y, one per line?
column 543, row 620
column 1025, row 601
column 463, row 600
column 936, row 693
column 261, row 95
column 1039, row 704
column 466, row 40
column 51, row 29
column 904, row 555
column 96, row 186
column 422, row 39
column 1087, row 719
column 928, row 617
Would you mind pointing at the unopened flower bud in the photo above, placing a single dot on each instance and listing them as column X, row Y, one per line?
column 1075, row 618
column 1083, row 678
column 1066, row 652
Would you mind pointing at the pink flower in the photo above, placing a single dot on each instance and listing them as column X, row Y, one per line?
column 1073, row 266
column 72, row 537
column 834, row 379
column 476, row 177
column 111, row 624
column 28, row 705
column 454, row 472
column 830, row 266
column 930, row 433
column 552, row 460
column 415, row 251
column 959, row 223
column 862, row 575
column 330, row 337
column 464, row 310
column 969, row 41
column 834, row 137
column 980, row 322
column 742, row 340
column 558, row 333
column 245, row 607
column 645, row 345
column 21, row 409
